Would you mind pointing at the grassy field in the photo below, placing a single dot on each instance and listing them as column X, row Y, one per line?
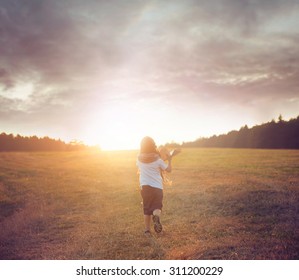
column 223, row 204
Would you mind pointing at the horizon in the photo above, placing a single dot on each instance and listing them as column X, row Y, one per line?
column 158, row 144
column 109, row 73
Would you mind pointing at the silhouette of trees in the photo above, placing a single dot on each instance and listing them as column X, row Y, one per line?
column 272, row 135
column 9, row 142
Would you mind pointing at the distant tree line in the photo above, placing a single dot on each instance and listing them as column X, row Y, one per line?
column 9, row 142
column 272, row 135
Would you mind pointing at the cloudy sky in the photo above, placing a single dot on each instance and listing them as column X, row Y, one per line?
column 111, row 72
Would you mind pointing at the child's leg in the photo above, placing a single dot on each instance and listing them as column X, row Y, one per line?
column 147, row 222
column 156, row 220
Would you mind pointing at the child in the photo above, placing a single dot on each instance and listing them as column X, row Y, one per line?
column 150, row 167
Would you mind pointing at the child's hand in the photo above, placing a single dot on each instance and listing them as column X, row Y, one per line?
column 164, row 153
column 175, row 152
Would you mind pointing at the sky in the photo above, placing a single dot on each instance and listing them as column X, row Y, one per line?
column 112, row 72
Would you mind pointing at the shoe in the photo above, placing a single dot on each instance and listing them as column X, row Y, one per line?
column 157, row 224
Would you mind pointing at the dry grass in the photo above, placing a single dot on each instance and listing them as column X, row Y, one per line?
column 223, row 204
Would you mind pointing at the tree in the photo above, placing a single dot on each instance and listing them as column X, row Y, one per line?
column 33, row 143
column 273, row 135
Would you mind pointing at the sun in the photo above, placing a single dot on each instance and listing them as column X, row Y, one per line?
column 115, row 127
column 110, row 139
column 120, row 125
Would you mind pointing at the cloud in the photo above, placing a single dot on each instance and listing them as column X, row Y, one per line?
column 80, row 55
column 58, row 42
column 225, row 49
column 60, row 37
column 5, row 79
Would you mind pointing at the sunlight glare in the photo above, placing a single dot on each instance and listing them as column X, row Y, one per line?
column 121, row 125
column 114, row 128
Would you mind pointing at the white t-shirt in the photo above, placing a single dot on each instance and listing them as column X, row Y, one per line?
column 150, row 173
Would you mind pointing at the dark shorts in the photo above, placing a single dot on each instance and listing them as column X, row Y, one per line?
column 152, row 199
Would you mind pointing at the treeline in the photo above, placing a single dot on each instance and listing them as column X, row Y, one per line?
column 272, row 135
column 9, row 142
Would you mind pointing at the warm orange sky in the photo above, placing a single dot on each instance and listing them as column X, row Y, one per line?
column 111, row 72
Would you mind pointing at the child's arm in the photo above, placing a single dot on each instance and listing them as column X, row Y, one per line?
column 169, row 167
column 175, row 152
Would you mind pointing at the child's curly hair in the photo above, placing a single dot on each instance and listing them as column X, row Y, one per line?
column 148, row 146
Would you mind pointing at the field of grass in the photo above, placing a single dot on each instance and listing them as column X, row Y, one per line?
column 223, row 204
